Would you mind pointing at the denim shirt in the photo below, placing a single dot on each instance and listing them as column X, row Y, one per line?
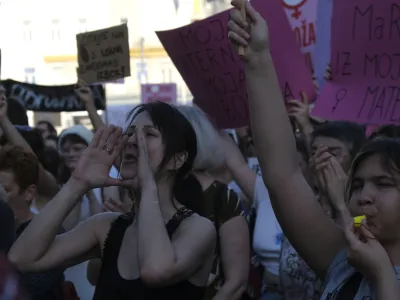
column 339, row 272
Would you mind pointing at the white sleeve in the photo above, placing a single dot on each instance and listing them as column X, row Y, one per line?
column 260, row 193
column 114, row 172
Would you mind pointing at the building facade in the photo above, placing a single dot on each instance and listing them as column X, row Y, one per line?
column 38, row 42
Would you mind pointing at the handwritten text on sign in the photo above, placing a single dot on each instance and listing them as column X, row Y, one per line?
column 293, row 75
column 211, row 68
column 302, row 15
column 103, row 55
column 366, row 63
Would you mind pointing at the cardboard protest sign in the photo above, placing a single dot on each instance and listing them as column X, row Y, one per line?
column 214, row 72
column 103, row 55
column 164, row 92
column 302, row 17
column 365, row 66
column 50, row 98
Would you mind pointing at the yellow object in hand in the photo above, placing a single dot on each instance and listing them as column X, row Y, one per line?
column 358, row 220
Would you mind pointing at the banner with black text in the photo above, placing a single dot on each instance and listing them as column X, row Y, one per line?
column 50, row 98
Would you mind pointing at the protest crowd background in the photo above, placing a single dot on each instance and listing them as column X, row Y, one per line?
column 200, row 150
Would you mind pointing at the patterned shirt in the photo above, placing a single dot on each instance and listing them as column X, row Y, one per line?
column 297, row 280
column 221, row 205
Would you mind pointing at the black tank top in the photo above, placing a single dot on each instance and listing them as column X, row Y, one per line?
column 111, row 286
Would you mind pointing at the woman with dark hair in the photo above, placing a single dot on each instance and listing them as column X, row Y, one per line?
column 7, row 223
column 357, row 262
column 46, row 129
column 164, row 251
column 8, row 276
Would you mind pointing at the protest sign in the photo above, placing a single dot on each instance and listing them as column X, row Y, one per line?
column 302, row 16
column 103, row 55
column 164, row 92
column 50, row 98
column 214, row 72
column 365, row 66
column 322, row 48
column 293, row 74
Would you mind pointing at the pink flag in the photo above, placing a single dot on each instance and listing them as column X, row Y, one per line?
column 164, row 92
column 214, row 72
column 365, row 65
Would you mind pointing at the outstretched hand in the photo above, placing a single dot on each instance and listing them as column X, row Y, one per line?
column 252, row 33
column 96, row 161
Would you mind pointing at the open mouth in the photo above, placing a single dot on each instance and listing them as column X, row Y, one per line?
column 129, row 157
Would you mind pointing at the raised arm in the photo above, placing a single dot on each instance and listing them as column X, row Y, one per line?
column 47, row 184
column 51, row 250
column 302, row 219
column 235, row 162
column 84, row 93
column 81, row 243
column 163, row 262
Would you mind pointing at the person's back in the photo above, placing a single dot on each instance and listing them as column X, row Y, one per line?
column 10, row 287
column 19, row 173
column 45, row 285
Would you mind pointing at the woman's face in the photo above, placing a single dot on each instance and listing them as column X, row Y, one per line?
column 44, row 129
column 155, row 147
column 71, row 153
column 336, row 148
column 376, row 193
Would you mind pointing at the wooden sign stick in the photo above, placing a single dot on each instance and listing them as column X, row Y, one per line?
column 243, row 12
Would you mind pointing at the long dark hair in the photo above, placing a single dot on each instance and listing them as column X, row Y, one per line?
column 178, row 137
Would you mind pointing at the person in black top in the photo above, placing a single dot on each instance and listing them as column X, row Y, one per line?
column 164, row 251
column 19, row 171
column 7, row 224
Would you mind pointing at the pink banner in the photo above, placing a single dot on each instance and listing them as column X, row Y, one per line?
column 214, row 72
column 365, row 65
column 302, row 15
column 164, row 92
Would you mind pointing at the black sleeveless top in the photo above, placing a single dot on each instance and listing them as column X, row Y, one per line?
column 111, row 286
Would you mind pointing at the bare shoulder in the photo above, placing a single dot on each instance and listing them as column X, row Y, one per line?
column 101, row 223
column 197, row 225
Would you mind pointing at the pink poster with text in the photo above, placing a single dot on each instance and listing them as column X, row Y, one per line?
column 302, row 15
column 365, row 66
column 163, row 92
column 214, row 72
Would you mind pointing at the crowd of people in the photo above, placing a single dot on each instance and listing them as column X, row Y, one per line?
column 169, row 208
